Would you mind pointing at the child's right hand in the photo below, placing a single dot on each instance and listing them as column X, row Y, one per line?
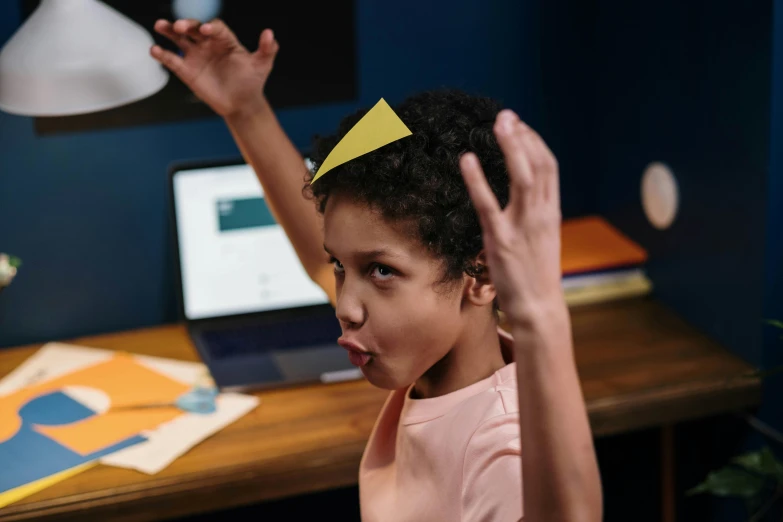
column 215, row 66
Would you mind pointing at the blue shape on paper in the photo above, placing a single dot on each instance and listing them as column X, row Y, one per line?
column 54, row 409
column 29, row 455
column 198, row 400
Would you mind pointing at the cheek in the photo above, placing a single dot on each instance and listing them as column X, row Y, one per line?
column 411, row 331
column 424, row 326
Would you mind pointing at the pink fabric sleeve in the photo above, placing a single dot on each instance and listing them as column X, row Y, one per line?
column 492, row 476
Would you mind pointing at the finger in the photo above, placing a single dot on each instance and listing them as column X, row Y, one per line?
column 481, row 194
column 537, row 192
column 165, row 28
column 267, row 45
column 520, row 172
column 219, row 31
column 544, row 165
column 194, row 31
column 189, row 28
column 173, row 62
column 553, row 190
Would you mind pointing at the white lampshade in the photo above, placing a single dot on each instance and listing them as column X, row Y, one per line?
column 74, row 57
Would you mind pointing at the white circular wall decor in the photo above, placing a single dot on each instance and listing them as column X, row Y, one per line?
column 201, row 10
column 660, row 195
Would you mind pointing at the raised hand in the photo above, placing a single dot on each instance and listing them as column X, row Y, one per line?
column 215, row 66
column 521, row 241
column 522, row 248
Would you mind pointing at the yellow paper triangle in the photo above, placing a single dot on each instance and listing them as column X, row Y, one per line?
column 379, row 127
column 18, row 493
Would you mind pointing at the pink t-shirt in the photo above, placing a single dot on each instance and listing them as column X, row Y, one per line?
column 449, row 458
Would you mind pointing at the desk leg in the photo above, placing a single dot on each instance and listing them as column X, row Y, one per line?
column 668, row 497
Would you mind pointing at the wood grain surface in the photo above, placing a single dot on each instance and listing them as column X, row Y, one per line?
column 640, row 366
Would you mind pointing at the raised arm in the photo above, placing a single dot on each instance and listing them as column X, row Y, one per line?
column 231, row 79
column 522, row 246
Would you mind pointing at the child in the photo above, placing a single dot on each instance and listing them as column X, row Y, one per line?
column 414, row 263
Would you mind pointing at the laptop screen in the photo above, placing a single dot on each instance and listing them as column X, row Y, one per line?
column 234, row 258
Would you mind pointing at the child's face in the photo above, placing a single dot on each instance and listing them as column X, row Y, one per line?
column 388, row 301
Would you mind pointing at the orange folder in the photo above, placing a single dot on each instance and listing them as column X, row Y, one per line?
column 592, row 244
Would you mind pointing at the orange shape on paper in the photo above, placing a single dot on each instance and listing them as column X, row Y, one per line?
column 125, row 381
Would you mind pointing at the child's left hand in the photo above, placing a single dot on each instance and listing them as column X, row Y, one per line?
column 521, row 241
column 522, row 247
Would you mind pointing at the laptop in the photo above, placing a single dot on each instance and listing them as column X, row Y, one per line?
column 254, row 315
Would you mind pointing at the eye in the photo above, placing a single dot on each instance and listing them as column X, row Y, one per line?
column 381, row 272
column 338, row 267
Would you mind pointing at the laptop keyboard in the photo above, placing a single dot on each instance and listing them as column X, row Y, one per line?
column 228, row 344
column 257, row 339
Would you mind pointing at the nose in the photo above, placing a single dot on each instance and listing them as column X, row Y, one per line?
column 349, row 310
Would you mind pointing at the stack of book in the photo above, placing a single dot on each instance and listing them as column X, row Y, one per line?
column 600, row 263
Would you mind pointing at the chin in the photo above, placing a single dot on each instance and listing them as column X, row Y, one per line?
column 378, row 377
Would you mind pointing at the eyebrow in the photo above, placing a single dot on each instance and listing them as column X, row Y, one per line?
column 369, row 254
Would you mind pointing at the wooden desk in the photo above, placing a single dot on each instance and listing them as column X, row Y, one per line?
column 640, row 366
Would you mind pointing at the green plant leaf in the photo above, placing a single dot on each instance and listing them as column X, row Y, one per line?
column 730, row 482
column 754, row 504
column 775, row 323
column 14, row 261
column 762, row 462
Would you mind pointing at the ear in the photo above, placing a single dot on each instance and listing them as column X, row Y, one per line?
column 479, row 290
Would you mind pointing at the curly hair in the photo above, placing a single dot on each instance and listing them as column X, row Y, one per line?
column 417, row 179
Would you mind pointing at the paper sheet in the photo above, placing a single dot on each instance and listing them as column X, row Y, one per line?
column 13, row 495
column 379, row 127
column 50, row 422
column 176, row 437
column 50, row 361
column 28, row 453
column 56, row 359
column 116, row 382
column 164, row 443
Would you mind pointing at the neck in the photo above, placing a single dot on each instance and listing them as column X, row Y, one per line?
column 474, row 357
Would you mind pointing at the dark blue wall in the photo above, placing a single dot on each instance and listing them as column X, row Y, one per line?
column 87, row 212
column 772, row 411
column 686, row 83
column 699, row 86
column 773, row 353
